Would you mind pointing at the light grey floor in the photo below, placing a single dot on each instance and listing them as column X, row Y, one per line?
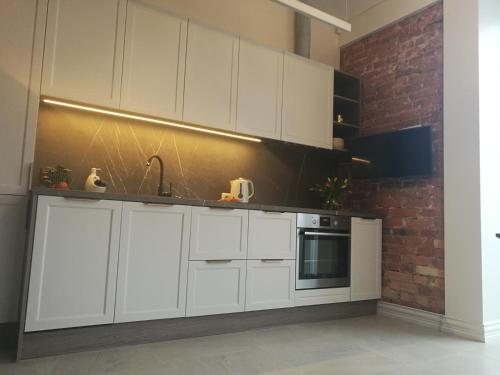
column 368, row 345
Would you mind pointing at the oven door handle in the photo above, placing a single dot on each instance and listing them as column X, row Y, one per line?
column 323, row 234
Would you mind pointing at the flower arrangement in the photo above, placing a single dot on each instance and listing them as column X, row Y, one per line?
column 331, row 191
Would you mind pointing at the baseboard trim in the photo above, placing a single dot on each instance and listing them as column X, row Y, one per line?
column 439, row 322
column 463, row 329
column 410, row 315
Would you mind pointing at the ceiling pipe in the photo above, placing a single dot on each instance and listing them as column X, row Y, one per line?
column 302, row 35
column 316, row 13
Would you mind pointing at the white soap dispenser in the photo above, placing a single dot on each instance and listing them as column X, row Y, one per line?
column 94, row 183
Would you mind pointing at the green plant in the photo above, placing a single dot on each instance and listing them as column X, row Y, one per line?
column 331, row 191
column 55, row 176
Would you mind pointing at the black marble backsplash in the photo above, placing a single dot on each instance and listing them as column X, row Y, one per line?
column 198, row 165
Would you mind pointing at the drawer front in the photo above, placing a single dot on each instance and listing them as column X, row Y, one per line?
column 272, row 235
column 322, row 296
column 270, row 284
column 218, row 234
column 216, row 287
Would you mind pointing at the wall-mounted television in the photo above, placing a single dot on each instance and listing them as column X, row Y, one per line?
column 401, row 153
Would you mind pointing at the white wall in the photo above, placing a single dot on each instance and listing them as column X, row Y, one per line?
column 489, row 117
column 381, row 15
column 472, row 166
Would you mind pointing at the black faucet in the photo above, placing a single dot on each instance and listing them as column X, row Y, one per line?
column 161, row 187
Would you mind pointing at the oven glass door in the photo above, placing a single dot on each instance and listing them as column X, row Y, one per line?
column 323, row 259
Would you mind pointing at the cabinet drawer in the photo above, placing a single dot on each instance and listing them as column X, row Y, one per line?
column 216, row 287
column 270, row 284
column 272, row 235
column 322, row 296
column 218, row 234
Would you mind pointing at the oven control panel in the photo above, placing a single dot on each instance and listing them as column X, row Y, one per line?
column 323, row 221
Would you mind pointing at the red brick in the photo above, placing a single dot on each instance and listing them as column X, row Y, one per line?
column 401, row 67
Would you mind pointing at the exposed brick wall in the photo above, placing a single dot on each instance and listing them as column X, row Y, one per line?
column 402, row 71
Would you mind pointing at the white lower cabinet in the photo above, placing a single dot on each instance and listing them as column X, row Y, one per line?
column 152, row 271
column 74, row 263
column 272, row 235
column 366, row 259
column 216, row 287
column 218, row 233
column 270, row 284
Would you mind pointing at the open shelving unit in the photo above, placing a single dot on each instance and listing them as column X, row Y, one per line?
column 347, row 103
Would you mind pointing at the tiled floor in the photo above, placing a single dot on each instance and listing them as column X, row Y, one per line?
column 368, row 345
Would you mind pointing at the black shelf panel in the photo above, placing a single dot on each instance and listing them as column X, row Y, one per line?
column 340, row 97
column 347, row 125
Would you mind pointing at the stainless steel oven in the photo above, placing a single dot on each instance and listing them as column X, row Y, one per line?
column 323, row 251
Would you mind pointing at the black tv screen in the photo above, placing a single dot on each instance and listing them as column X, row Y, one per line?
column 400, row 153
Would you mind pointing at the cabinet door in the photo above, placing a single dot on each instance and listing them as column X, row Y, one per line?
column 272, row 235
column 84, row 51
column 211, row 75
column 216, row 287
column 21, row 24
column 307, row 102
column 218, row 234
column 152, row 271
column 260, row 91
column 74, row 263
column 154, row 61
column 366, row 259
column 270, row 284
column 12, row 234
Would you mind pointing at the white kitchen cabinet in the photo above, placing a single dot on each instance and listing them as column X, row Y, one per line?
column 260, row 90
column 74, row 263
column 84, row 51
column 154, row 62
column 22, row 24
column 307, row 102
column 12, row 237
column 153, row 262
column 366, row 259
column 218, row 234
column 272, row 235
column 270, row 284
column 216, row 287
column 211, row 78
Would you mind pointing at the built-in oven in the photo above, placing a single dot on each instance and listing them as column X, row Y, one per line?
column 323, row 251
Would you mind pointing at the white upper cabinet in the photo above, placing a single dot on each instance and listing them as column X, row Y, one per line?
column 216, row 287
column 211, row 78
column 307, row 102
column 260, row 90
column 270, row 284
column 218, row 234
column 152, row 271
column 154, row 62
column 272, row 235
column 22, row 24
column 74, row 263
column 366, row 259
column 84, row 51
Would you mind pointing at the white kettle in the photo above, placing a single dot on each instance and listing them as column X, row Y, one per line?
column 242, row 189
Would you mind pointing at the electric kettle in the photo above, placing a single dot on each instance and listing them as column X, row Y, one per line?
column 242, row 189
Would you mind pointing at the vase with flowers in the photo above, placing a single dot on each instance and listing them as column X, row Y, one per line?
column 331, row 192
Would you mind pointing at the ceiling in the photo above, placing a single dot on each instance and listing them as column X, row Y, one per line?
column 337, row 8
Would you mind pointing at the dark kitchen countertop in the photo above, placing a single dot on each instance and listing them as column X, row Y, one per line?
column 191, row 202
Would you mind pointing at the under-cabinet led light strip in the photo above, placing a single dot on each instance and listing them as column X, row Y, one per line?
column 147, row 119
column 361, row 160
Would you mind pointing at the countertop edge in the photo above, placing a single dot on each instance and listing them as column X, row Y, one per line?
column 192, row 202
